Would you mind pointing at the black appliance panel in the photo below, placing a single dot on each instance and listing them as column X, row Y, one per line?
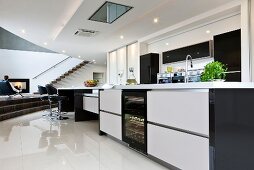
column 231, row 129
column 200, row 50
column 178, row 79
column 164, row 80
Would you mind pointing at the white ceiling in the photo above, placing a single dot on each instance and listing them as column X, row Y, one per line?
column 56, row 21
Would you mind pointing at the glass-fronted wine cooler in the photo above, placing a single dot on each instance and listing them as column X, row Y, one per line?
column 135, row 120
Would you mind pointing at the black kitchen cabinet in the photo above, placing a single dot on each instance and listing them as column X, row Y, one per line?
column 196, row 51
column 68, row 105
column 80, row 113
column 231, row 129
column 227, row 49
column 149, row 67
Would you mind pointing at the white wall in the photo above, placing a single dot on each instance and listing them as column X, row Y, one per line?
column 85, row 73
column 27, row 64
column 193, row 37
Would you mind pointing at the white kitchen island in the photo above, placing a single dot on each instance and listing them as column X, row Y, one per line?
column 194, row 126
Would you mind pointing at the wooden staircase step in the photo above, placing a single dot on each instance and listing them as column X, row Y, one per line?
column 22, row 112
column 21, row 106
column 13, row 101
column 74, row 69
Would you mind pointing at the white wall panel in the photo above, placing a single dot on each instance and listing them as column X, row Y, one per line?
column 91, row 104
column 121, row 64
column 112, row 64
column 133, row 59
column 185, row 151
column 111, row 101
column 182, row 109
column 111, row 124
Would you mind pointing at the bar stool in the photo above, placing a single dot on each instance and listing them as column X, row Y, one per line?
column 54, row 97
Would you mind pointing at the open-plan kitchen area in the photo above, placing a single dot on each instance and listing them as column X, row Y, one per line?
column 127, row 85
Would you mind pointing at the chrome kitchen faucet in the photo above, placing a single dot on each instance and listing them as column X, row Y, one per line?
column 186, row 80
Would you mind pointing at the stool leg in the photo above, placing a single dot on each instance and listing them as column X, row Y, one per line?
column 60, row 111
column 50, row 109
column 59, row 107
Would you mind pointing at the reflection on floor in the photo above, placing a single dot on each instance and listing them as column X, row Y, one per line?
column 33, row 143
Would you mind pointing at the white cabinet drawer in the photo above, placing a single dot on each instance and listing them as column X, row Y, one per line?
column 182, row 109
column 111, row 124
column 110, row 101
column 91, row 104
column 182, row 150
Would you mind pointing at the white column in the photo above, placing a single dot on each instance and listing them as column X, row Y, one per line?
column 108, row 71
column 133, row 59
column 252, row 38
column 121, row 65
column 112, row 64
column 245, row 24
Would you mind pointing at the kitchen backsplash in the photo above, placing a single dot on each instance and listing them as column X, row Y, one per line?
column 197, row 64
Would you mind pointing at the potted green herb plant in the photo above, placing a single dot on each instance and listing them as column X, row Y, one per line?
column 214, row 71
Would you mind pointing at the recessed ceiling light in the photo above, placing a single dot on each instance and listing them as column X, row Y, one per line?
column 45, row 43
column 63, row 51
column 79, row 56
column 23, row 31
column 208, row 31
column 122, row 37
column 93, row 60
column 167, row 43
column 155, row 20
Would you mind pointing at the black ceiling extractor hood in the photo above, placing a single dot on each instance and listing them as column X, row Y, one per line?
column 109, row 12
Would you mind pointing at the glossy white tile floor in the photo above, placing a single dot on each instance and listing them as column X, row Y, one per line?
column 33, row 143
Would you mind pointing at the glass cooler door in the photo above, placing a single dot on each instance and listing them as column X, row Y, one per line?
column 134, row 120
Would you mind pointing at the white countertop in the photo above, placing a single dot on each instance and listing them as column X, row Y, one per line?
column 79, row 88
column 199, row 85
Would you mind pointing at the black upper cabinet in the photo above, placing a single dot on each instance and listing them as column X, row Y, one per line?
column 227, row 49
column 149, row 67
column 196, row 51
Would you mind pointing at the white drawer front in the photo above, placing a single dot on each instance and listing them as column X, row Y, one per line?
column 183, row 109
column 91, row 104
column 110, row 101
column 185, row 151
column 111, row 124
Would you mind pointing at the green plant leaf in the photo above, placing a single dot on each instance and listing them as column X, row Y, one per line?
column 214, row 70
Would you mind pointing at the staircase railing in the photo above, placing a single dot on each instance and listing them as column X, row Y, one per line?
column 54, row 66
